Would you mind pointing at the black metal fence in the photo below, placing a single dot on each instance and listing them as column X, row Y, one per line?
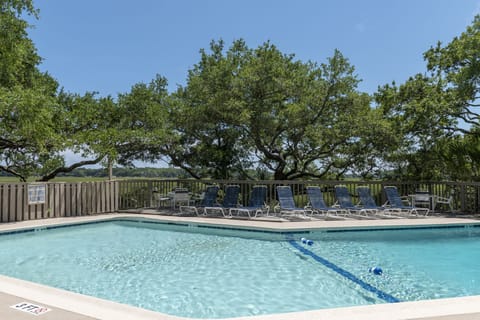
column 140, row 193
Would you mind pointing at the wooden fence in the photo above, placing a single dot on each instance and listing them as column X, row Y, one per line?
column 88, row 198
column 139, row 193
column 50, row 200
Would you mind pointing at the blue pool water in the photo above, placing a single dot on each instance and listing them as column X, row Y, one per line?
column 214, row 273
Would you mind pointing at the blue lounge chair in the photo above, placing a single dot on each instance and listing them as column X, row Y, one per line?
column 230, row 200
column 286, row 203
column 317, row 204
column 395, row 202
column 209, row 199
column 366, row 199
column 345, row 202
column 367, row 202
column 256, row 203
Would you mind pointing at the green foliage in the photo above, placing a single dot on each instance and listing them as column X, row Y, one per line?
column 27, row 97
column 244, row 108
column 141, row 125
column 206, row 141
column 38, row 123
column 460, row 157
column 458, row 66
column 429, row 111
column 418, row 114
column 18, row 56
column 246, row 113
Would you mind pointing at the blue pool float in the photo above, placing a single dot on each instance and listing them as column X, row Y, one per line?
column 306, row 241
column 376, row 270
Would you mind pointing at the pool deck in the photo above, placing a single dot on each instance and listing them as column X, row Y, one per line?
column 65, row 305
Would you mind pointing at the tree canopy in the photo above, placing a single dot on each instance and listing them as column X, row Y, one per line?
column 436, row 113
column 246, row 113
column 258, row 108
column 39, row 122
column 27, row 96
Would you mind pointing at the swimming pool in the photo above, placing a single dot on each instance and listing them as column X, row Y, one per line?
column 195, row 271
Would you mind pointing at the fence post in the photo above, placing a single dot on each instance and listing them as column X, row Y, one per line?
column 150, row 193
column 462, row 198
column 4, row 194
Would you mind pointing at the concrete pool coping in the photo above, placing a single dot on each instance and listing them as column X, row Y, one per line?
column 71, row 306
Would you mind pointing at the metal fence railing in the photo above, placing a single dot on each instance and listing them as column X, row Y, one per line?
column 139, row 193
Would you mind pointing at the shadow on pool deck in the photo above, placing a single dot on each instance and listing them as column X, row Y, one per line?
column 273, row 218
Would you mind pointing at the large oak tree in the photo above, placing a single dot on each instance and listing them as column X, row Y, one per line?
column 248, row 108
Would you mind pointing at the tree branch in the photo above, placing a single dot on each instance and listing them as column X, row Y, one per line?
column 13, row 172
column 74, row 166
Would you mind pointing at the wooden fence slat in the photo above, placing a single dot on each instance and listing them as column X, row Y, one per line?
column 84, row 199
column 49, row 198
column 68, row 200
column 19, row 207
column 113, row 197
column 73, row 199
column 30, row 212
column 43, row 211
column 62, row 199
column 78, row 199
column 107, row 195
column 110, row 195
column 12, row 206
column 5, row 203
column 96, row 198
column 102, row 189
column 91, row 198
column 58, row 212
column 117, row 196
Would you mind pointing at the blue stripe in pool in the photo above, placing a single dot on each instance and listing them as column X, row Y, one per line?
column 382, row 295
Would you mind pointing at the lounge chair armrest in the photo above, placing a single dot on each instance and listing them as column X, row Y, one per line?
column 276, row 207
column 406, row 199
column 443, row 199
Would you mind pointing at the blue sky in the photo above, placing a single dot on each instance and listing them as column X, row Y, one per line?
column 109, row 45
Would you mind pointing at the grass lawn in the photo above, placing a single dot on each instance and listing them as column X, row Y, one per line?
column 59, row 179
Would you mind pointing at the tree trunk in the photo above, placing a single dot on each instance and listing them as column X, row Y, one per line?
column 110, row 168
column 279, row 175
